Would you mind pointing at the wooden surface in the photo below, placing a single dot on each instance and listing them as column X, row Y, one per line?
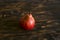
column 45, row 12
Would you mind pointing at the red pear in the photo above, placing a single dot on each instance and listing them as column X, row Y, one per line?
column 27, row 22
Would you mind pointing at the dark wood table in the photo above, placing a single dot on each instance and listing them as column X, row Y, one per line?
column 45, row 12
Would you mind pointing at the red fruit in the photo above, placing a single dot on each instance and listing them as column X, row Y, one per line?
column 27, row 22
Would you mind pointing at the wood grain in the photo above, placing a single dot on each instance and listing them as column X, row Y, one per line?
column 46, row 14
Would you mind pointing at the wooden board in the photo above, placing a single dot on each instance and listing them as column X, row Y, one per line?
column 46, row 14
